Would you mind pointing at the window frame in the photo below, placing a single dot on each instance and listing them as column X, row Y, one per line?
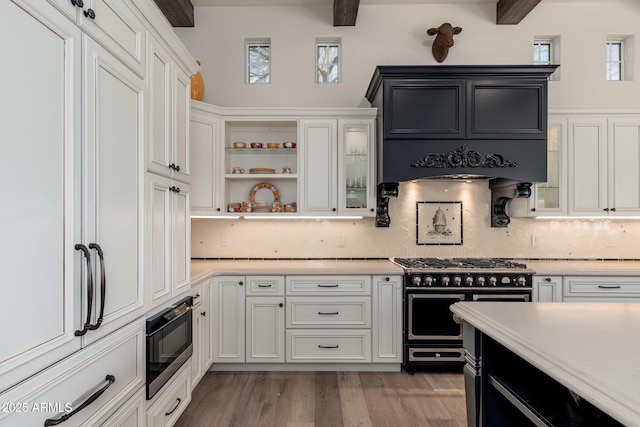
column 328, row 43
column 262, row 43
column 620, row 64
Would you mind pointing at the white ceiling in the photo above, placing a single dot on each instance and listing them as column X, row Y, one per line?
column 214, row 3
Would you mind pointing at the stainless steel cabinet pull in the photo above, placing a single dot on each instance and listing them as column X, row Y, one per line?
column 327, row 314
column 327, row 286
column 87, row 323
column 264, row 286
column 609, row 286
column 328, row 346
column 55, row 421
column 103, row 286
column 178, row 400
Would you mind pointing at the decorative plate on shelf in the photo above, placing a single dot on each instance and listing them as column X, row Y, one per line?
column 264, row 192
column 262, row 170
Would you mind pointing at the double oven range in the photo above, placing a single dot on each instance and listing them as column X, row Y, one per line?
column 432, row 338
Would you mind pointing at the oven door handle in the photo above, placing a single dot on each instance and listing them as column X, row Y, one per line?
column 490, row 297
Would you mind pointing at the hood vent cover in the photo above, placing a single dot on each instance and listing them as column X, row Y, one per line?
column 450, row 122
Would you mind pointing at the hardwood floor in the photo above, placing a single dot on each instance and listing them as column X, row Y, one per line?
column 332, row 399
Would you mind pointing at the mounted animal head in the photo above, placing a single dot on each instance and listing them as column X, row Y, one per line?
column 444, row 40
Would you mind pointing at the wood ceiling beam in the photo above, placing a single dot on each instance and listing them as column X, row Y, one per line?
column 345, row 13
column 179, row 13
column 511, row 12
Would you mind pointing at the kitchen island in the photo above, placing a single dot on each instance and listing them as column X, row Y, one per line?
column 551, row 364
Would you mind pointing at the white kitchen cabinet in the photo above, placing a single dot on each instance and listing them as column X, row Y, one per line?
column 387, row 319
column 202, row 356
column 169, row 94
column 131, row 414
column 78, row 196
column 205, row 158
column 166, row 407
column 547, row 289
column 114, row 24
column 265, row 329
column 168, row 239
column 229, row 324
column 604, row 166
column 109, row 366
column 601, row 289
column 319, row 155
column 356, row 167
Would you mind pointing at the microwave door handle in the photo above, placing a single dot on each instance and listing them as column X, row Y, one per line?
column 103, row 286
column 87, row 255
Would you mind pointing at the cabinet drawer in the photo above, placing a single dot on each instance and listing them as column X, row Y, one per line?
column 602, row 287
column 328, row 285
column 113, row 364
column 131, row 414
column 265, row 285
column 352, row 312
column 329, row 346
column 172, row 401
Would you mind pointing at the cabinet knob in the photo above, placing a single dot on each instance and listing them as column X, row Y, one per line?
column 613, row 209
column 386, row 279
column 533, row 209
column 547, row 279
column 606, row 209
column 89, row 13
column 204, row 313
column 174, row 189
column 241, row 283
column 371, row 209
column 78, row 3
column 333, row 210
column 281, row 305
column 217, row 209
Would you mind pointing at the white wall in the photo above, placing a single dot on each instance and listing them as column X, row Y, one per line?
column 397, row 35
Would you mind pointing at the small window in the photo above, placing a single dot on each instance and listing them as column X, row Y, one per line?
column 258, row 54
column 615, row 59
column 546, row 51
column 327, row 61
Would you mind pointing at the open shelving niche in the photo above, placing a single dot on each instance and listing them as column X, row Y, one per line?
column 237, row 187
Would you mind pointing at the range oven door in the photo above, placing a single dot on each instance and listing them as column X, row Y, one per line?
column 429, row 317
column 517, row 297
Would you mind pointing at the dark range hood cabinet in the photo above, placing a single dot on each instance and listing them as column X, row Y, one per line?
column 450, row 122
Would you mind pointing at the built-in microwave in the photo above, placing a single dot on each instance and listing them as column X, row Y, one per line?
column 169, row 343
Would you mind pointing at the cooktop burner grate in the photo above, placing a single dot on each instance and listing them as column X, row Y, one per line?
column 443, row 263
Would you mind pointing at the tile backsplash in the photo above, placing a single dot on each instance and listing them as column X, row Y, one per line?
column 523, row 238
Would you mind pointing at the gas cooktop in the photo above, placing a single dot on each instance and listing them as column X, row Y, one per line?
column 459, row 263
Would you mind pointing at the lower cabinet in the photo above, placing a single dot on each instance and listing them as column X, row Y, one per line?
column 547, row 288
column 166, row 407
column 601, row 288
column 202, row 356
column 307, row 319
column 111, row 372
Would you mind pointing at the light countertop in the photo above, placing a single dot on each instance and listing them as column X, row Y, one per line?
column 591, row 348
column 579, row 267
column 203, row 269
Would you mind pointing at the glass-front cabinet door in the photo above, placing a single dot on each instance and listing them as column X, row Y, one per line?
column 356, row 179
column 549, row 197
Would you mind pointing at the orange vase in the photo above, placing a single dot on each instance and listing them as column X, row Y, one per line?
column 197, row 86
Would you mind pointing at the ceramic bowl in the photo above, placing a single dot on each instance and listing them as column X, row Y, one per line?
column 289, row 144
column 256, row 145
column 272, row 145
column 239, row 145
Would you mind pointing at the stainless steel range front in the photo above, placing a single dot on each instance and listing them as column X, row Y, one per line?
column 432, row 339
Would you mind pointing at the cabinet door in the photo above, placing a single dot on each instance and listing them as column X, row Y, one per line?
column 207, row 319
column 181, row 113
column 587, row 166
column 506, row 109
column 356, row 167
column 159, row 77
column 229, row 324
column 387, row 319
column 624, row 166
column 265, row 329
column 40, row 222
column 113, row 183
column 181, row 237
column 205, row 164
column 319, row 157
column 196, row 327
column 424, row 109
column 547, row 289
column 158, row 289
column 550, row 197
column 116, row 25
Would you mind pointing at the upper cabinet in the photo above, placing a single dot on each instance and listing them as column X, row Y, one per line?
column 593, row 167
column 282, row 162
column 114, row 24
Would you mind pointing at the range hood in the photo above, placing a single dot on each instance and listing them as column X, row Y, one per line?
column 469, row 122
